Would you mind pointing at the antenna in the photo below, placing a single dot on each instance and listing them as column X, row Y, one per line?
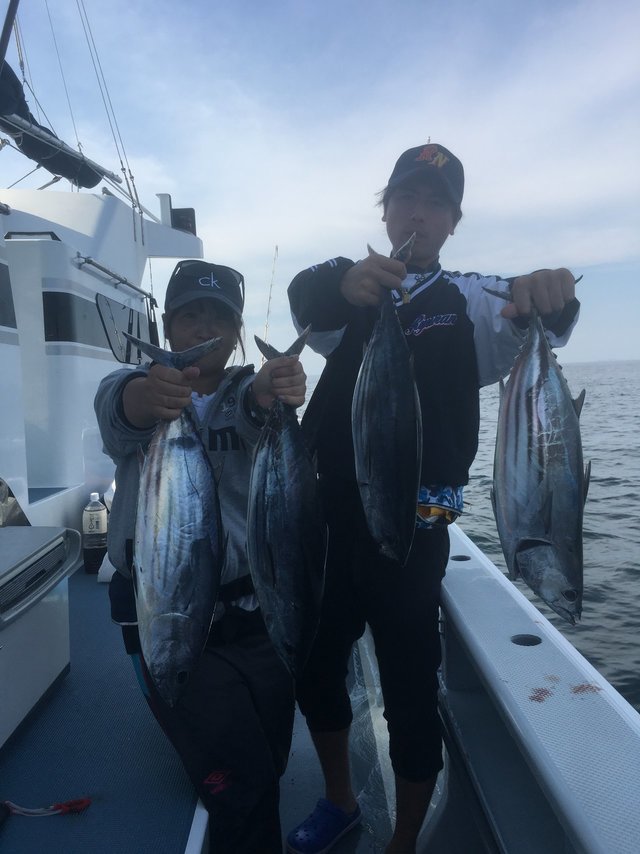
column 273, row 273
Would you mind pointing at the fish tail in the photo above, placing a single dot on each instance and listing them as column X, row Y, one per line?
column 181, row 359
column 270, row 352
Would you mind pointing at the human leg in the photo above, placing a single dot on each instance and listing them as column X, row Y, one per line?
column 333, row 752
column 322, row 693
column 403, row 612
column 232, row 730
column 412, row 803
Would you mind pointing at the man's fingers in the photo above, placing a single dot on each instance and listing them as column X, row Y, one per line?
column 548, row 291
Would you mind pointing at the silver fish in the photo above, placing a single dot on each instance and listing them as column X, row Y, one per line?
column 286, row 532
column 539, row 482
column 387, row 432
column 178, row 546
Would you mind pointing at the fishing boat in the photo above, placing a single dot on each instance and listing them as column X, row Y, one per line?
column 71, row 268
column 541, row 752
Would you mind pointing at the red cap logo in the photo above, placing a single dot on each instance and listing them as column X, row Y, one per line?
column 432, row 155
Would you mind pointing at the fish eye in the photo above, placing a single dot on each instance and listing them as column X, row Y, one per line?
column 570, row 595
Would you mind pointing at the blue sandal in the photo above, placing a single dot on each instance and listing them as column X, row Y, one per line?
column 322, row 829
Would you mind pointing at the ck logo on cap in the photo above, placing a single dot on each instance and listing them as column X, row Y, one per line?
column 433, row 156
column 209, row 282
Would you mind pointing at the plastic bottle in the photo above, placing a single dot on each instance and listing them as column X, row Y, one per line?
column 94, row 533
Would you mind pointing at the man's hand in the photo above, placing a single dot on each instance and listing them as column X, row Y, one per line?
column 548, row 291
column 365, row 283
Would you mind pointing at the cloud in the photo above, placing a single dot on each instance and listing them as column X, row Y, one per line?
column 279, row 122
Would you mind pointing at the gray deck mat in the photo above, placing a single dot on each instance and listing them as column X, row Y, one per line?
column 94, row 736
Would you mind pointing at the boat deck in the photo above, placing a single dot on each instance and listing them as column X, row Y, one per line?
column 527, row 721
column 94, row 736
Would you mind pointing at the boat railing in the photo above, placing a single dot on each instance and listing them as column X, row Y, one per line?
column 542, row 752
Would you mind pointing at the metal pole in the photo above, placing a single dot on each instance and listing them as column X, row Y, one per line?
column 6, row 30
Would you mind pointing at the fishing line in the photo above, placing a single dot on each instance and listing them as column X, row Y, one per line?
column 64, row 80
column 266, row 323
column 110, row 113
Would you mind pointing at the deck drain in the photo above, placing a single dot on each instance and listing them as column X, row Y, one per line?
column 526, row 640
column 460, row 557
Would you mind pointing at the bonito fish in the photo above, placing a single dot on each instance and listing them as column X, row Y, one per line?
column 178, row 544
column 539, row 482
column 387, row 432
column 286, row 532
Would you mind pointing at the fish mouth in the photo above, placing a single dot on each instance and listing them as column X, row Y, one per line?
column 170, row 686
column 571, row 615
column 542, row 568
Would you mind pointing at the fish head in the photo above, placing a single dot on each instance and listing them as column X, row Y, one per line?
column 550, row 574
column 174, row 646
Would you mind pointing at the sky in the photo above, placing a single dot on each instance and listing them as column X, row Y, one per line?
column 280, row 121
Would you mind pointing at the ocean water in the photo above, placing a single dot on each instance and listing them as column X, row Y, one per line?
column 609, row 633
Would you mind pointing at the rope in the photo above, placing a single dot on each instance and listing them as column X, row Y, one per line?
column 75, row 806
column 64, row 81
column 27, row 79
column 108, row 105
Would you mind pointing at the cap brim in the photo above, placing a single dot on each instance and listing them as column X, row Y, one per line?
column 192, row 296
column 429, row 174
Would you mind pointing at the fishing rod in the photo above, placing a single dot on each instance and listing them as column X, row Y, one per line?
column 273, row 273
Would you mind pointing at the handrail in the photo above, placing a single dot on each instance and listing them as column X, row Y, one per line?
column 81, row 260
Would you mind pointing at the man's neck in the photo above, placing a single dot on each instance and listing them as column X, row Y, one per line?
column 418, row 268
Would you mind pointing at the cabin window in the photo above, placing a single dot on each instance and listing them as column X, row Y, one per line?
column 7, row 311
column 99, row 323
column 116, row 319
column 68, row 317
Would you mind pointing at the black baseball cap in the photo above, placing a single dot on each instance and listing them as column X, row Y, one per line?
column 202, row 280
column 430, row 159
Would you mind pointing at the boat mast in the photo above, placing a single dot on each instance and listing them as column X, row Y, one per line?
column 10, row 17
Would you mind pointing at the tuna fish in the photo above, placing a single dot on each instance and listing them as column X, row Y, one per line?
column 178, row 544
column 387, row 432
column 539, row 482
column 286, row 532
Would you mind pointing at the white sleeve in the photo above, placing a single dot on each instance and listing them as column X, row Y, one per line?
column 497, row 340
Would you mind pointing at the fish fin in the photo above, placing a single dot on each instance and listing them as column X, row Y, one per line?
column 587, row 480
column 403, row 253
column 514, row 570
column 578, row 402
column 141, row 457
column 298, row 345
column 156, row 353
column 505, row 295
column 270, row 352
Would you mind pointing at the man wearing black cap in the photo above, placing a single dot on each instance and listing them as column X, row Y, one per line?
column 460, row 338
